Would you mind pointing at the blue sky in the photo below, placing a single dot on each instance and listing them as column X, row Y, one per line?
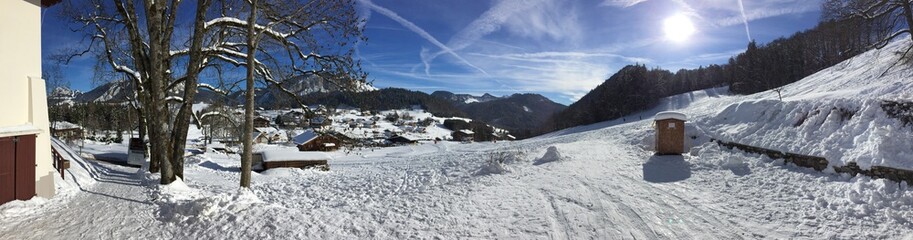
column 558, row 48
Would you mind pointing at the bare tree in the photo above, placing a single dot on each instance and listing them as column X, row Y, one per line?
column 138, row 38
column 890, row 15
column 252, row 41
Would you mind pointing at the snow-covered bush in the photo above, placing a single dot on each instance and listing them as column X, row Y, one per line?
column 497, row 161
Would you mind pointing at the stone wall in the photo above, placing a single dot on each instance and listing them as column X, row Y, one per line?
column 820, row 163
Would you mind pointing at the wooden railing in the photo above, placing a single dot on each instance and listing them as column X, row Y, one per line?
column 59, row 163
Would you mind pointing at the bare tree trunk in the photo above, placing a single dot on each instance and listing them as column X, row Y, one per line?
column 182, row 121
column 249, row 105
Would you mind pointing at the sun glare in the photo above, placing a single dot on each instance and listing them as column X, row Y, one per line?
column 678, row 28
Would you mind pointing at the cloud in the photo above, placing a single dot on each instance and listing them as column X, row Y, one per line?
column 765, row 12
column 621, row 3
column 414, row 28
column 744, row 19
column 563, row 57
column 539, row 19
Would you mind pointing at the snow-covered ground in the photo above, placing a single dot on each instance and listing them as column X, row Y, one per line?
column 600, row 181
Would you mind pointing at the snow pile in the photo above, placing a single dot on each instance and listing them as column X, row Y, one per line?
column 840, row 130
column 180, row 203
column 551, row 155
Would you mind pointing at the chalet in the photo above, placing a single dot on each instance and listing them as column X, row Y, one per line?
column 400, row 140
column 271, row 134
column 291, row 119
column 270, row 159
column 464, row 135
column 312, row 141
column 261, row 121
column 320, row 121
column 259, row 137
column 26, row 163
column 66, row 130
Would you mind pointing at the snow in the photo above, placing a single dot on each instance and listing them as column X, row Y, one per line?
column 284, row 155
column 64, row 125
column 607, row 183
column 670, row 115
column 551, row 155
column 17, row 130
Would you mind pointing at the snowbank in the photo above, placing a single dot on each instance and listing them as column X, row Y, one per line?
column 180, row 203
column 282, row 155
column 551, row 155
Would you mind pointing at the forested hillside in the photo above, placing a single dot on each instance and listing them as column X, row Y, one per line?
column 760, row 68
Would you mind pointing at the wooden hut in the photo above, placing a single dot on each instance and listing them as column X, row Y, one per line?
column 266, row 160
column 670, row 133
column 312, row 141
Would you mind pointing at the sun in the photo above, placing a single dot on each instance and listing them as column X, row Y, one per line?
column 678, row 28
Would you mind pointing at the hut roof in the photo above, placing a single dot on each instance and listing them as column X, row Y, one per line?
column 671, row 115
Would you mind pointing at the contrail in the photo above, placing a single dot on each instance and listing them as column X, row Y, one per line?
column 421, row 32
column 745, row 20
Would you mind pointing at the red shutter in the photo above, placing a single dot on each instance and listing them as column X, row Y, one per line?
column 7, row 168
column 25, row 167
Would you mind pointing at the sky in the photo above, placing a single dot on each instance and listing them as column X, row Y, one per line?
column 561, row 49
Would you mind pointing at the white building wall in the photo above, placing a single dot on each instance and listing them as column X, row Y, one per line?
column 24, row 101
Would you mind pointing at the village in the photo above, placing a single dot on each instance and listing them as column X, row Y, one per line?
column 343, row 129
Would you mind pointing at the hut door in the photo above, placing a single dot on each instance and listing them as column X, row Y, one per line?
column 25, row 167
column 17, row 168
column 7, row 170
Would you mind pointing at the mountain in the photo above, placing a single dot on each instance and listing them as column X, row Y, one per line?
column 460, row 99
column 522, row 114
column 302, row 86
column 115, row 91
column 63, row 95
column 627, row 91
column 387, row 99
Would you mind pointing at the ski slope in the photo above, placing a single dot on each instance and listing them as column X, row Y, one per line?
column 600, row 181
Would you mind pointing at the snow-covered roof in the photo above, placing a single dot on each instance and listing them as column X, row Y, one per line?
column 305, row 137
column 286, row 155
column 671, row 115
column 266, row 129
column 467, row 131
column 64, row 125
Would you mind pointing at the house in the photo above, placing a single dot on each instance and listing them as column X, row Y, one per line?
column 670, row 132
column 26, row 164
column 312, row 141
column 266, row 160
column 261, row 121
column 464, row 135
column 259, row 137
column 398, row 139
column 66, row 130
column 320, row 121
column 270, row 135
column 291, row 119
